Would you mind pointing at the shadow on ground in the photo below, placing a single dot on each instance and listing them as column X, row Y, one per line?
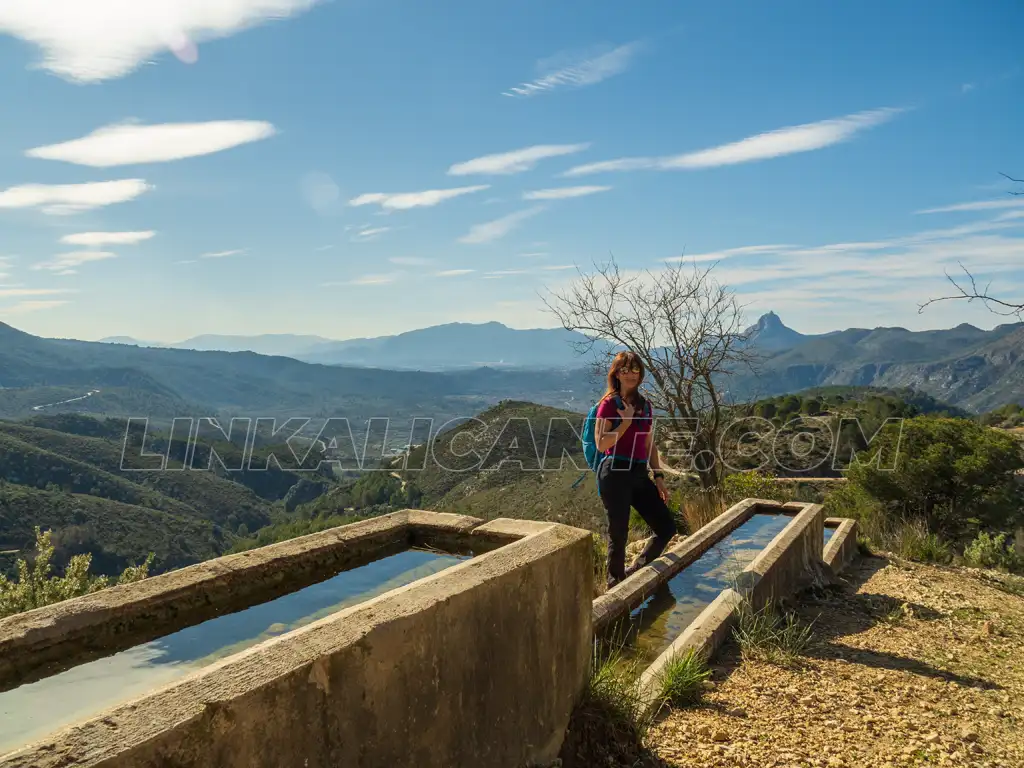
column 841, row 610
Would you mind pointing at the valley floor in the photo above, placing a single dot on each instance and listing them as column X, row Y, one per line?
column 910, row 665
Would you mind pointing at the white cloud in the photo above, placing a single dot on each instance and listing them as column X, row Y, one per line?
column 745, row 250
column 93, row 239
column 405, row 200
column 776, row 143
column 497, row 229
column 72, row 198
column 576, row 70
column 562, row 193
column 33, row 305
column 105, row 39
column 557, row 267
column 186, row 261
column 453, row 272
column 379, row 279
column 222, row 254
column 129, row 143
column 979, row 205
column 369, row 233
column 516, row 161
column 71, row 260
column 534, row 255
column 6, row 293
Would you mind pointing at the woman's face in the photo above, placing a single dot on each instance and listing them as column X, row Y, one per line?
column 629, row 376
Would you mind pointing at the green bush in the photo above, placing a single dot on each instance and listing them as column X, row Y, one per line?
column 952, row 474
column 35, row 587
column 987, row 551
column 752, row 485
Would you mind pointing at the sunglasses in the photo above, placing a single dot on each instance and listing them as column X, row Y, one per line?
column 629, row 369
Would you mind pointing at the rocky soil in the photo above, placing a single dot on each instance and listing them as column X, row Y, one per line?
column 910, row 665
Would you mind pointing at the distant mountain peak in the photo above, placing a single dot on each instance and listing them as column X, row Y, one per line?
column 769, row 333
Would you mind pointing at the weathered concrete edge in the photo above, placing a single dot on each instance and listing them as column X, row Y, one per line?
column 706, row 633
column 133, row 724
column 703, row 636
column 842, row 546
column 32, row 642
column 631, row 592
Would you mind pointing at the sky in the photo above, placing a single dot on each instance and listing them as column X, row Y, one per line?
column 352, row 168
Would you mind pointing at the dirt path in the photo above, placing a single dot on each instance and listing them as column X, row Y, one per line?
column 911, row 665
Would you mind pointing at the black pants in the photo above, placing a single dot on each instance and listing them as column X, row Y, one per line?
column 625, row 484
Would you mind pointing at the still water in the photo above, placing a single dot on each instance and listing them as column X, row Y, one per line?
column 35, row 710
column 659, row 620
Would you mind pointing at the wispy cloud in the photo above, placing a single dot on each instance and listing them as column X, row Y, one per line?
column 746, row 250
column 558, row 267
column 94, row 239
column 563, row 193
column 967, row 87
column 6, row 293
column 405, row 200
column 67, row 261
column 322, row 248
column 222, row 254
column 453, row 272
column 575, row 70
column 534, row 255
column 129, row 143
column 367, row 233
column 979, row 205
column 33, row 305
column 63, row 199
column 763, row 146
column 377, row 279
column 187, row 261
column 497, row 229
column 516, row 161
column 106, row 39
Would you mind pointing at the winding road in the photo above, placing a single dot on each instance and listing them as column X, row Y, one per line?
column 90, row 393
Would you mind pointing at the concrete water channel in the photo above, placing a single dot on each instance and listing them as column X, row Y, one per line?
column 413, row 639
column 37, row 709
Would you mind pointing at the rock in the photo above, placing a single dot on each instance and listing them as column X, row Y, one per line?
column 932, row 738
column 969, row 735
column 738, row 712
column 720, row 736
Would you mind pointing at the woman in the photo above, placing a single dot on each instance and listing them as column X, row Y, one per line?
column 622, row 477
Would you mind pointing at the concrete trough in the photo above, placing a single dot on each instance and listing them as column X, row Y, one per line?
column 796, row 558
column 479, row 664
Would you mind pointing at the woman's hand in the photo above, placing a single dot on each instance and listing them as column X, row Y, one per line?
column 662, row 490
column 626, row 414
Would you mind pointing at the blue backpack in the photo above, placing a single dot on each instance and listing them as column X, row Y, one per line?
column 590, row 452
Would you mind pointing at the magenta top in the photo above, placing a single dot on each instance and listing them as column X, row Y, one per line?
column 633, row 443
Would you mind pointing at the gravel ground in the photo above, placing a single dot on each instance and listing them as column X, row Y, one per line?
column 910, row 665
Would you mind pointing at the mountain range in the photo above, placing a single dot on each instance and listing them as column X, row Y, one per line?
column 453, row 366
column 451, row 346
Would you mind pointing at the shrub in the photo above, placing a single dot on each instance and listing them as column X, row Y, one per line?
column 681, row 681
column 752, row 485
column 988, row 551
column 768, row 635
column 35, row 587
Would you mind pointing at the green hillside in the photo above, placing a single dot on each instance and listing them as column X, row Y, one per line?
column 117, row 534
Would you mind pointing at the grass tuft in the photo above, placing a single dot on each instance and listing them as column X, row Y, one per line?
column 681, row 683
column 771, row 636
column 609, row 726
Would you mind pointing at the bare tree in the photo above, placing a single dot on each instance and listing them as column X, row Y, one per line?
column 685, row 327
column 968, row 288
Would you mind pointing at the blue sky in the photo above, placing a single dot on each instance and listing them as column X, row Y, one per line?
column 350, row 168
